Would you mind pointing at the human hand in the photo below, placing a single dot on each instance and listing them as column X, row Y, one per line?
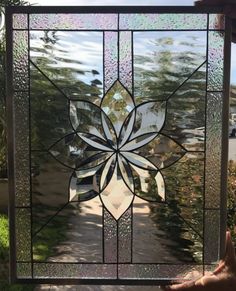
column 229, row 10
column 222, row 279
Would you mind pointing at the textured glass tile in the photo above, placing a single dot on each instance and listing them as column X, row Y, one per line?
column 78, row 271
column 22, row 162
column 77, row 233
column 216, row 21
column 24, row 270
column 20, row 60
column 73, row 21
column 125, row 56
column 149, row 271
column 125, row 237
column 79, row 55
column 163, row 21
column 110, row 237
column 20, row 21
column 213, row 150
column 211, row 236
column 23, row 234
column 110, row 58
column 215, row 61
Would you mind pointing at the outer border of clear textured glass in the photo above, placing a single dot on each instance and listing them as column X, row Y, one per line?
column 10, row 121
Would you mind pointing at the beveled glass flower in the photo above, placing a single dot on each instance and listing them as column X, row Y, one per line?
column 117, row 150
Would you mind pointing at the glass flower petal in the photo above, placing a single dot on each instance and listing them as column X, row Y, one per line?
column 107, row 172
column 126, row 129
column 116, row 197
column 150, row 118
column 71, row 150
column 125, row 171
column 138, row 142
column 86, row 117
column 162, row 151
column 139, row 161
column 95, row 141
column 149, row 185
column 83, row 184
column 94, row 160
column 117, row 104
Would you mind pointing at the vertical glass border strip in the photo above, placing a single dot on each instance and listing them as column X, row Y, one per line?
column 213, row 150
column 10, row 144
column 125, row 237
column 125, row 59
column 110, row 239
column 110, row 59
column 20, row 60
column 215, row 60
column 225, row 135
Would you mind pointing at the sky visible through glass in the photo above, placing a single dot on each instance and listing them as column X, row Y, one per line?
column 133, row 3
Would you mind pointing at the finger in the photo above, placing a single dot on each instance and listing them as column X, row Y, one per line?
column 214, row 2
column 187, row 286
column 230, row 258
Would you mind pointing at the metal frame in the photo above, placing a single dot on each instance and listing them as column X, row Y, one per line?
column 11, row 122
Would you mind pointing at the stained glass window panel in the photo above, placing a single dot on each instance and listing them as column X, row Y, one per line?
column 116, row 142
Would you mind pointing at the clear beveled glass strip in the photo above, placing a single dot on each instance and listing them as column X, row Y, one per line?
column 110, row 59
column 211, row 236
column 125, row 59
column 213, row 150
column 22, row 162
column 87, row 21
column 76, row 271
column 215, row 60
column 20, row 21
column 171, row 21
column 20, row 60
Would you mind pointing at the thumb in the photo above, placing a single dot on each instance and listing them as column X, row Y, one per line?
column 230, row 258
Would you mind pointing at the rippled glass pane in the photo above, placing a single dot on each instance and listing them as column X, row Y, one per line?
column 164, row 60
column 77, row 231
column 78, row 55
column 50, row 187
column 20, row 60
